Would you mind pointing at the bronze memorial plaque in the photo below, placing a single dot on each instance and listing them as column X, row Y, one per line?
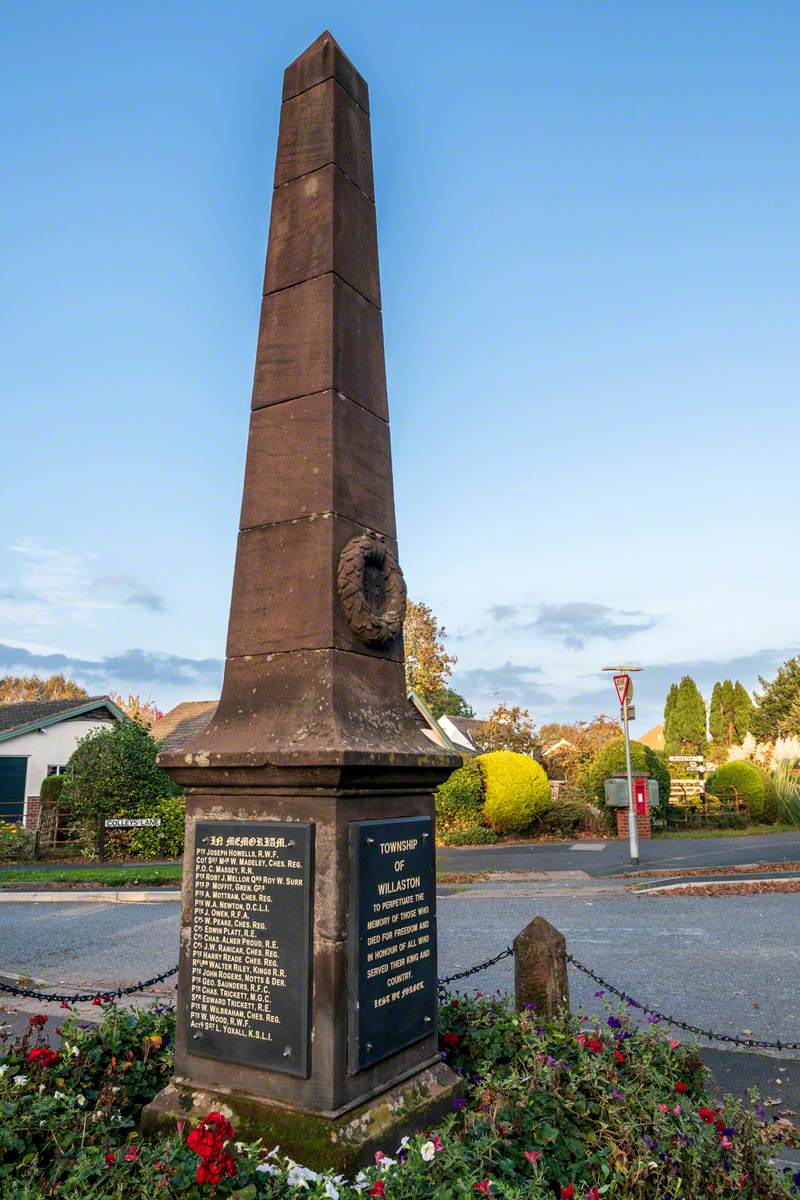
column 392, row 937
column 250, row 967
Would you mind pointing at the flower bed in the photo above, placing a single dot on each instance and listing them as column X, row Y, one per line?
column 558, row 1111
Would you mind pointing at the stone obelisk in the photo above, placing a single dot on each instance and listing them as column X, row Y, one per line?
column 307, row 991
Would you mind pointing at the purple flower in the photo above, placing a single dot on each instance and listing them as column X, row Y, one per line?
column 529, row 1007
column 649, row 1142
column 614, row 1023
column 599, row 995
column 616, row 1094
column 478, row 1078
column 551, row 1062
column 443, row 1055
column 459, row 1102
column 761, row 1112
column 654, row 1019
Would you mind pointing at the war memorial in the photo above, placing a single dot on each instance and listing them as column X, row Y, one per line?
column 307, row 991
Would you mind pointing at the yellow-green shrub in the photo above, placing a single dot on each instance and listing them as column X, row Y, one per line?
column 517, row 791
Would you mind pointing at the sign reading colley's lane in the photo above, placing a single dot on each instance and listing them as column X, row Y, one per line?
column 251, row 935
column 392, row 960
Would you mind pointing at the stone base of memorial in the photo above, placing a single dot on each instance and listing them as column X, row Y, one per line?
column 307, row 990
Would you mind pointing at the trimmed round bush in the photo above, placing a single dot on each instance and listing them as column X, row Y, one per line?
column 459, row 800
column 516, row 788
column 611, row 761
column 740, row 781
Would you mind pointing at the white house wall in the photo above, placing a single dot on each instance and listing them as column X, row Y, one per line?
column 50, row 747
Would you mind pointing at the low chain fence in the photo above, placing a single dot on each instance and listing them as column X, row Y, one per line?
column 655, row 1017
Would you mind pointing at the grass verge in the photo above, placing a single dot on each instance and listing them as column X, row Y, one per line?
column 116, row 877
column 703, row 834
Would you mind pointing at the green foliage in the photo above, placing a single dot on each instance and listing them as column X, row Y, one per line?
column 551, row 1108
column 568, row 816
column 776, row 714
column 786, row 781
column 685, row 719
column 51, row 788
column 771, row 811
column 16, row 843
column 471, row 835
column 516, row 788
column 740, row 783
column 449, row 703
column 731, row 713
column 611, row 761
column 113, row 772
column 459, row 800
column 165, row 841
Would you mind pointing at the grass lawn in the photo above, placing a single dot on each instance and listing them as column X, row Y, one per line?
column 751, row 831
column 117, row 877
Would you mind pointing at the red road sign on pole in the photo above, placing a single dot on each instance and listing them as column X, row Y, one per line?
column 622, row 683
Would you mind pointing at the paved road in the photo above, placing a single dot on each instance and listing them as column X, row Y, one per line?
column 606, row 858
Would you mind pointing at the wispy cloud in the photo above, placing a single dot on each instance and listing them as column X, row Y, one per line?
column 510, row 682
column 59, row 586
column 136, row 667
column 573, row 623
column 130, row 590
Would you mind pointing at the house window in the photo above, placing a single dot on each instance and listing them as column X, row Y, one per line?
column 56, row 770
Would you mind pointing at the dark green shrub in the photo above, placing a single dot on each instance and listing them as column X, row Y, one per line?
column 516, row 788
column 51, row 789
column 727, row 820
column 564, row 818
column 474, row 835
column 739, row 783
column 459, row 800
column 166, row 840
column 611, row 761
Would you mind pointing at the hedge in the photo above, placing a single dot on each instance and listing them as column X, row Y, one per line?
column 459, row 800
column 611, row 761
column 516, row 788
column 740, row 781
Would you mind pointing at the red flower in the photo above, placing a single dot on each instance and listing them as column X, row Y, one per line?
column 130, row 1154
column 533, row 1156
column 97, row 1000
column 682, row 1088
column 110, row 1160
column 568, row 1193
column 619, row 1056
column 450, row 1039
column 212, row 1170
column 484, row 1187
column 42, row 1056
column 378, row 1188
column 437, row 1142
column 208, row 1140
column 593, row 1193
column 707, row 1115
column 590, row 1043
column 38, row 1021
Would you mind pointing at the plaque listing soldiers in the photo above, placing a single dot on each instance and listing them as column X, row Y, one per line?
column 308, row 927
column 249, row 982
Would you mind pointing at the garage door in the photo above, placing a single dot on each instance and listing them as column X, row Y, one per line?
column 12, row 787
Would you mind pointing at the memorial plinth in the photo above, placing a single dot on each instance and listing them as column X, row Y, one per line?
column 307, row 987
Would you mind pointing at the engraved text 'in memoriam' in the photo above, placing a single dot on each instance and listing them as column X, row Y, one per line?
column 251, row 922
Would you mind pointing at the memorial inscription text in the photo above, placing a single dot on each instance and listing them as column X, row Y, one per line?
column 251, row 943
column 392, row 938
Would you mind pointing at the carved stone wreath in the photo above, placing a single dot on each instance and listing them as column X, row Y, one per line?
column 372, row 589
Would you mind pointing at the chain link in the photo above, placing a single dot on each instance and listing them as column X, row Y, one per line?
column 658, row 1017
column 81, row 997
column 490, row 962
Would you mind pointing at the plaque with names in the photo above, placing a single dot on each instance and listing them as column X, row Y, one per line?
column 250, row 965
column 392, row 989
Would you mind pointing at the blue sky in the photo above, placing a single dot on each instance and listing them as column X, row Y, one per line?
column 589, row 254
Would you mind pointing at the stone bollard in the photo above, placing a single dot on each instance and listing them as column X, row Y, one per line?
column 540, row 968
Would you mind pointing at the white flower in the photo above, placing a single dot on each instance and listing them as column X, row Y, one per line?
column 3, row 1068
column 387, row 1162
column 427, row 1150
column 403, row 1144
column 74, row 1051
column 58, row 1095
column 268, row 1169
column 300, row 1176
column 274, row 1152
column 331, row 1191
column 360, row 1182
column 20, row 1080
column 81, row 1100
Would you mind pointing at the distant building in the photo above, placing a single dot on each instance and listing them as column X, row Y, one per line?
column 182, row 722
column 37, row 739
column 654, row 738
column 465, row 732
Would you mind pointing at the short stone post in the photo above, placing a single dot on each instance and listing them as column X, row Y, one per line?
column 540, row 968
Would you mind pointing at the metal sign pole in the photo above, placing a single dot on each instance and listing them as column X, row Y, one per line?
column 633, row 832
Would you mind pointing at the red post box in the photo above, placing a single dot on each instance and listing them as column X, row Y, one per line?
column 640, row 797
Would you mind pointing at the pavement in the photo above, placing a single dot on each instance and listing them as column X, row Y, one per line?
column 608, row 857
